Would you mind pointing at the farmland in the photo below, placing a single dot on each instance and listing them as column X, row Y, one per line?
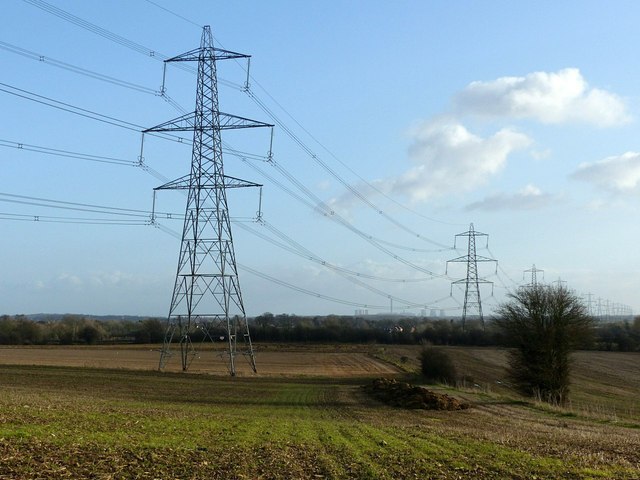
column 304, row 415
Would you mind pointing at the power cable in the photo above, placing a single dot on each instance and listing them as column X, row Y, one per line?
column 104, row 33
column 146, row 51
column 113, row 37
column 75, row 69
column 309, row 292
column 513, row 282
column 85, row 207
column 174, row 14
column 277, row 281
column 301, row 251
column 334, row 174
column 298, row 249
column 349, row 275
column 130, row 126
column 68, row 220
column 83, row 112
column 324, row 147
column 34, row 97
column 324, row 210
column 311, row 205
column 66, row 153
column 109, row 160
column 89, row 73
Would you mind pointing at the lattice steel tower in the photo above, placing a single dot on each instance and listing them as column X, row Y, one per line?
column 534, row 275
column 206, row 293
column 472, row 299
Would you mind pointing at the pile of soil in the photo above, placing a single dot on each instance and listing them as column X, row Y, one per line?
column 405, row 395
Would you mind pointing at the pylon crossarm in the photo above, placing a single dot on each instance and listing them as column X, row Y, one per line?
column 183, row 123
column 187, row 123
column 209, row 53
column 233, row 182
column 177, row 184
column 480, row 258
column 229, row 122
column 463, row 258
column 184, row 183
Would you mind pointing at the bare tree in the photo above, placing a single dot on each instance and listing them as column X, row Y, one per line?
column 543, row 324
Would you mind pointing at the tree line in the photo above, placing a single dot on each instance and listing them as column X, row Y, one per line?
column 77, row 329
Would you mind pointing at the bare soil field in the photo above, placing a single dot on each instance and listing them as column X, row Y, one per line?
column 271, row 361
column 104, row 413
column 604, row 385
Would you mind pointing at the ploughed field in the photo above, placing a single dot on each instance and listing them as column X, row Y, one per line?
column 105, row 413
column 271, row 360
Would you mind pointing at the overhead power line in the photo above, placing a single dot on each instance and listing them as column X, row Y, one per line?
column 311, row 136
column 151, row 53
column 320, row 207
column 105, row 33
column 362, row 197
column 280, row 282
column 309, row 292
column 175, row 14
column 83, row 207
column 75, row 69
column 294, row 247
column 106, row 159
column 313, row 202
column 34, row 97
column 114, row 37
column 67, row 153
column 349, row 275
column 83, row 112
column 68, row 220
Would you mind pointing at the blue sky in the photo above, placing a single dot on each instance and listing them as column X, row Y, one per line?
column 519, row 117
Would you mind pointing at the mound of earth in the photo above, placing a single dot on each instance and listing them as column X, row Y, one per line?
column 405, row 395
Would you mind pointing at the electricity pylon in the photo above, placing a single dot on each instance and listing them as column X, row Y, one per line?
column 206, row 293
column 534, row 275
column 472, row 299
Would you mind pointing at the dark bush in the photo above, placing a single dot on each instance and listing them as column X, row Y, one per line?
column 436, row 365
column 543, row 324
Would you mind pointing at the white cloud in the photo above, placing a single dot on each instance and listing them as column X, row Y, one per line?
column 556, row 97
column 617, row 174
column 69, row 280
column 448, row 158
column 541, row 154
column 530, row 197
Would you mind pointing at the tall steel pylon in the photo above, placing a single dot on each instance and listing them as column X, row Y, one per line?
column 206, row 293
column 534, row 275
column 472, row 299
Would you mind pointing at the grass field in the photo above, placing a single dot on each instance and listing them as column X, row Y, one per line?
column 310, row 420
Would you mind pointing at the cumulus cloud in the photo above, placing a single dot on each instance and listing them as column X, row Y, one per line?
column 529, row 198
column 556, row 97
column 617, row 174
column 447, row 158
column 69, row 279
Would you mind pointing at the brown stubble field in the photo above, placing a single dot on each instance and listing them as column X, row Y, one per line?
column 272, row 360
column 305, row 416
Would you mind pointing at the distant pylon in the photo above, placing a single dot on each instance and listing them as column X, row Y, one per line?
column 560, row 282
column 472, row 299
column 534, row 275
column 206, row 294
